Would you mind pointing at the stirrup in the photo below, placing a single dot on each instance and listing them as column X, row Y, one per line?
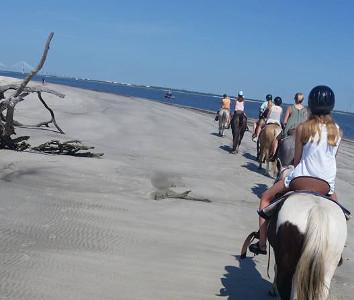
column 256, row 249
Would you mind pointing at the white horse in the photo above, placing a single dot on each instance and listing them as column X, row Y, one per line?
column 308, row 236
column 224, row 116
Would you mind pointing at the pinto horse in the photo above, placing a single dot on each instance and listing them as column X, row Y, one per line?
column 308, row 236
column 307, row 232
column 238, row 126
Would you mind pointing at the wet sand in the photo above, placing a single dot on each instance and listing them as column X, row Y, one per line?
column 84, row 228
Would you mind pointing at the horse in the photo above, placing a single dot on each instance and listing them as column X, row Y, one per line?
column 307, row 232
column 223, row 121
column 238, row 126
column 308, row 238
column 287, row 150
column 264, row 146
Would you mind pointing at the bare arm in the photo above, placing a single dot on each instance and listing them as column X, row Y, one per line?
column 298, row 145
column 287, row 115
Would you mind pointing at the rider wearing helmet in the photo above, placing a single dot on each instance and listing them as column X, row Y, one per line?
column 317, row 141
column 240, row 102
column 274, row 115
column 262, row 116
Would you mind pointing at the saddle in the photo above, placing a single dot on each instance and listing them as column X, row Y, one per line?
column 301, row 184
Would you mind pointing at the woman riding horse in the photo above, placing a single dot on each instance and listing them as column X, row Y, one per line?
column 317, row 142
column 295, row 114
column 238, row 122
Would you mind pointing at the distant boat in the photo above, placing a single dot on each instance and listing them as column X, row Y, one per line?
column 169, row 95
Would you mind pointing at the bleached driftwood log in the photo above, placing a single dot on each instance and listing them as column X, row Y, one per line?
column 28, row 90
column 7, row 104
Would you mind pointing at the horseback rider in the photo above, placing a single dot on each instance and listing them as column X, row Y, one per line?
column 295, row 114
column 225, row 107
column 317, row 141
column 273, row 117
column 262, row 116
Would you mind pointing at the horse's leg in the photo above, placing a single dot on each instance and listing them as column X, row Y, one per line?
column 273, row 292
column 220, row 121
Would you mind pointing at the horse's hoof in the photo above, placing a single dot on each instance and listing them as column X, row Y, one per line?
column 233, row 152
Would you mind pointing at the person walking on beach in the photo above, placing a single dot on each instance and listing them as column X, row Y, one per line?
column 263, row 111
column 317, row 141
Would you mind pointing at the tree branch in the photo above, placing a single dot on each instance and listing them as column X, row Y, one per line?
column 37, row 69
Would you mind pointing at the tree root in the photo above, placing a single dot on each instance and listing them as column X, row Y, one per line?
column 72, row 148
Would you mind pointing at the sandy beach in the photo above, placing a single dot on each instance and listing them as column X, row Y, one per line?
column 86, row 228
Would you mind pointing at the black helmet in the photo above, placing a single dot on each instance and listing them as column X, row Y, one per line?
column 224, row 96
column 321, row 100
column 269, row 97
column 278, row 101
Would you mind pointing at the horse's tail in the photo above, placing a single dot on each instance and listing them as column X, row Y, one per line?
column 310, row 271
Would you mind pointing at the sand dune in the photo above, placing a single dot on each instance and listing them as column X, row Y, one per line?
column 83, row 228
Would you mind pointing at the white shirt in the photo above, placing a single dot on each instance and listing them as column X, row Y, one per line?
column 318, row 160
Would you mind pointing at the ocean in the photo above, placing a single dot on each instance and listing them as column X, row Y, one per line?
column 203, row 101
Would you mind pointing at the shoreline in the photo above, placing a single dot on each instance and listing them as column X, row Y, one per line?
column 87, row 218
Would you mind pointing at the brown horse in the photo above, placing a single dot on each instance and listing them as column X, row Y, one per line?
column 264, row 146
column 238, row 126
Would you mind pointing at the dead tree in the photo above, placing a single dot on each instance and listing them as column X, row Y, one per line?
column 20, row 91
column 8, row 123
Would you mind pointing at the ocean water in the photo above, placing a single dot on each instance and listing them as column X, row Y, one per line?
column 198, row 100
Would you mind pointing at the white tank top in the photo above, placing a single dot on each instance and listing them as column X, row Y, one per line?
column 240, row 105
column 275, row 115
column 318, row 160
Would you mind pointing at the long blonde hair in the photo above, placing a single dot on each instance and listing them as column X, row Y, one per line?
column 312, row 127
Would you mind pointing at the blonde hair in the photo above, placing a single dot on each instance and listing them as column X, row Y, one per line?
column 312, row 127
column 299, row 97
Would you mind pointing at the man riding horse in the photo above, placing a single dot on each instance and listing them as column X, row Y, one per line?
column 224, row 114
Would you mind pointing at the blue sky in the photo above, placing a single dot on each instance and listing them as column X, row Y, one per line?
column 218, row 46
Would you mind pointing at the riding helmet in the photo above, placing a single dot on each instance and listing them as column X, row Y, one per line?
column 224, row 96
column 269, row 97
column 240, row 93
column 321, row 100
column 278, row 101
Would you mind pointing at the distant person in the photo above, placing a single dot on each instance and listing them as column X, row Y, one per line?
column 317, row 144
column 43, row 80
column 295, row 114
column 240, row 102
column 262, row 116
column 274, row 116
column 225, row 105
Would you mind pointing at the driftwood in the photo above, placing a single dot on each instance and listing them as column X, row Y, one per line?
column 28, row 90
column 7, row 122
column 158, row 195
column 73, row 148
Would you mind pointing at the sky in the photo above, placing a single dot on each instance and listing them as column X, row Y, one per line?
column 218, row 46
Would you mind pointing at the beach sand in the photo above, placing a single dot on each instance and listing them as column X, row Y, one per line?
column 85, row 228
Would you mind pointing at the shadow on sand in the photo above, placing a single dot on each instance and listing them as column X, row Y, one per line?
column 226, row 148
column 254, row 168
column 215, row 133
column 250, row 156
column 259, row 189
column 244, row 282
